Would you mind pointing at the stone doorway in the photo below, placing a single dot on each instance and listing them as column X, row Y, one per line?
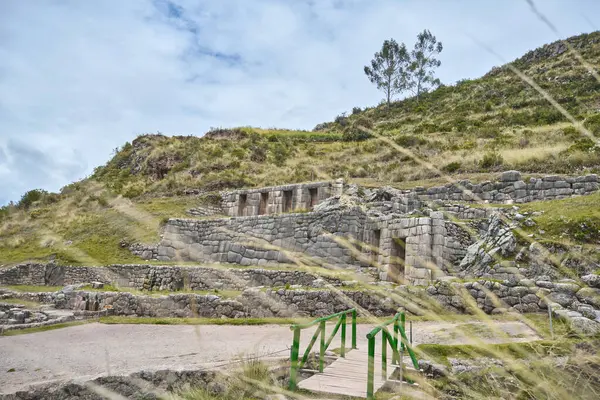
column 313, row 194
column 287, row 200
column 264, row 200
column 397, row 260
column 375, row 243
column 242, row 204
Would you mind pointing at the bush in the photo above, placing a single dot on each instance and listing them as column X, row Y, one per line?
column 452, row 167
column 488, row 106
column 593, row 124
column 358, row 129
column 31, row 197
column 4, row 212
column 584, row 145
column 133, row 191
column 280, row 153
column 572, row 133
column 356, row 110
column 489, row 133
column 258, row 153
column 491, row 160
column 238, row 153
column 547, row 116
column 409, row 140
column 341, row 119
column 523, row 142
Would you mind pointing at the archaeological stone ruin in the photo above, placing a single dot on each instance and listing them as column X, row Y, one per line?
column 304, row 249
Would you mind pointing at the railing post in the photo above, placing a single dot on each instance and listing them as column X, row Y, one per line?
column 394, row 353
column 322, row 350
column 354, row 328
column 371, row 368
column 343, row 350
column 403, row 324
column 384, row 354
column 294, row 359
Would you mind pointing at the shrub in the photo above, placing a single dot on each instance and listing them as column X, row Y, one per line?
column 280, row 153
column 572, row 133
column 4, row 212
column 593, row 124
column 584, row 145
column 488, row 106
column 258, row 153
column 409, row 140
column 356, row 110
column 358, row 129
column 341, row 119
column 489, row 133
column 547, row 116
column 452, row 167
column 523, row 142
column 238, row 153
column 491, row 160
column 31, row 197
column 133, row 191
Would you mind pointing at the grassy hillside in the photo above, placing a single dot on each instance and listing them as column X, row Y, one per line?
column 469, row 130
column 477, row 126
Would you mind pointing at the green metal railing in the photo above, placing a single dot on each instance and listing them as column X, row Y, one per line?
column 295, row 365
column 399, row 322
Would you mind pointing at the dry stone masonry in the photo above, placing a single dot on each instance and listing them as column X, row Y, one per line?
column 158, row 278
column 279, row 199
column 427, row 247
column 430, row 242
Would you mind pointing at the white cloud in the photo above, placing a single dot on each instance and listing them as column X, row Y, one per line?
column 78, row 79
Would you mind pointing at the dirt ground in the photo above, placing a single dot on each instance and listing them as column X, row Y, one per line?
column 86, row 351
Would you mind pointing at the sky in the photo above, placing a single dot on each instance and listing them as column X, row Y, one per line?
column 80, row 78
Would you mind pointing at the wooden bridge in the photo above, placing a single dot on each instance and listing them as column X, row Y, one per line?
column 355, row 373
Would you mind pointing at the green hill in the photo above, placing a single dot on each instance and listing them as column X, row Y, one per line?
column 470, row 130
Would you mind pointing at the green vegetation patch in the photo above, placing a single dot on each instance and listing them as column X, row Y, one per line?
column 34, row 289
column 541, row 348
column 200, row 321
column 62, row 325
column 27, row 303
column 576, row 219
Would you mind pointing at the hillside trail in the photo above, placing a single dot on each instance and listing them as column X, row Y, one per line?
column 87, row 351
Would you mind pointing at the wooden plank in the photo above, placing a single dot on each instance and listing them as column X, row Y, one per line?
column 347, row 376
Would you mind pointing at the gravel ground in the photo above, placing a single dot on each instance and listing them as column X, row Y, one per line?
column 86, row 351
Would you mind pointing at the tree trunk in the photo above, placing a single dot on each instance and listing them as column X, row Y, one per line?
column 389, row 93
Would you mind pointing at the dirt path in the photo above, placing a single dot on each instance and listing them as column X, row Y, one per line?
column 87, row 351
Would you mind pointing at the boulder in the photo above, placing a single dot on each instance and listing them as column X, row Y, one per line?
column 585, row 326
column 498, row 239
column 591, row 280
column 510, row 176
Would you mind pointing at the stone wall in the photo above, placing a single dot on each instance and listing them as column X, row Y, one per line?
column 152, row 277
column 144, row 251
column 415, row 249
column 430, row 246
column 575, row 302
column 139, row 385
column 278, row 199
column 205, row 211
column 252, row 303
column 263, row 240
column 510, row 188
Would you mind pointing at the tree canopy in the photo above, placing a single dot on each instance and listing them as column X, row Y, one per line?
column 394, row 70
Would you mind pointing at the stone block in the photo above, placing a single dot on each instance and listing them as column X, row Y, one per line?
column 510, row 176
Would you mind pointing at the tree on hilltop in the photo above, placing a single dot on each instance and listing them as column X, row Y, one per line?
column 394, row 70
column 388, row 68
column 421, row 71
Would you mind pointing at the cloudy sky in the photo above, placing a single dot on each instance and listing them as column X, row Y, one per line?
column 80, row 78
